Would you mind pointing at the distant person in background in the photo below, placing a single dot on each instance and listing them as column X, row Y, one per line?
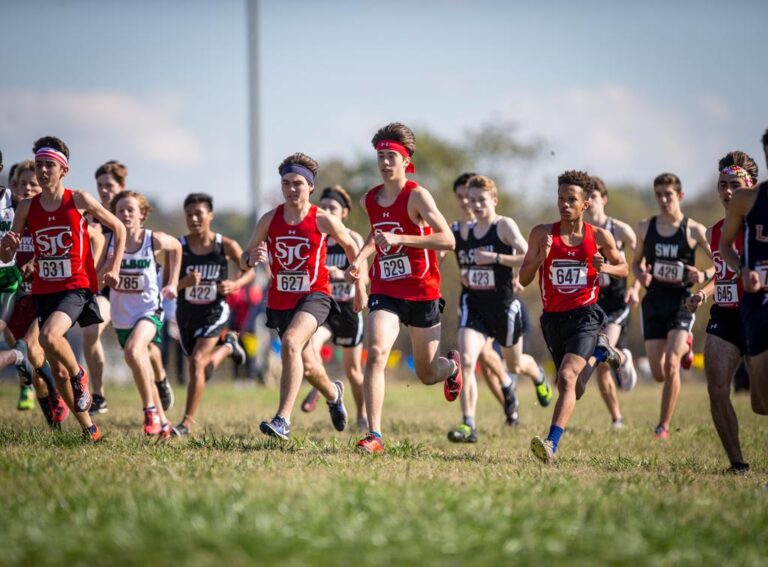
column 170, row 340
column 241, row 303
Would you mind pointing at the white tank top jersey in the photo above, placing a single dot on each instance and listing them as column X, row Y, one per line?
column 7, row 213
column 137, row 294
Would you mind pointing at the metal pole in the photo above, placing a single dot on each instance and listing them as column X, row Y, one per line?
column 252, row 7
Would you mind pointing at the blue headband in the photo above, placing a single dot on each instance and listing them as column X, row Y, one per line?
column 300, row 169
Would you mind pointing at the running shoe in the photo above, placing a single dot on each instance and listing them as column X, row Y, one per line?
column 238, row 353
column 511, row 403
column 626, row 374
column 80, row 391
column 152, row 422
column 24, row 368
column 463, row 434
column 370, row 444
column 26, row 398
column 337, row 410
column 59, row 408
column 513, row 419
column 45, row 407
column 180, row 430
column 604, row 352
column 543, row 449
column 92, row 433
column 617, row 423
column 276, row 427
column 661, row 432
column 166, row 393
column 166, row 430
column 310, row 402
column 452, row 385
column 687, row 359
column 98, row 405
column 543, row 390
column 738, row 468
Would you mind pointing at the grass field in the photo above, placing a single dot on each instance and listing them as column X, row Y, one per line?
column 229, row 496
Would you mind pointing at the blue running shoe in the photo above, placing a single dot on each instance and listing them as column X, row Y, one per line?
column 276, row 427
column 337, row 410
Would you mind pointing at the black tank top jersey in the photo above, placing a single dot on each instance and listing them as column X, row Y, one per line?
column 462, row 248
column 335, row 256
column 756, row 230
column 213, row 267
column 612, row 289
column 668, row 251
column 482, row 286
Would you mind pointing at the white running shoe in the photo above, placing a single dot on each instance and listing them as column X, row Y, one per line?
column 626, row 375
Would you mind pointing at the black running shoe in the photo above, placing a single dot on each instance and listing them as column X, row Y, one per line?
column 45, row 407
column 180, row 430
column 276, row 427
column 337, row 410
column 238, row 353
column 511, row 403
column 98, row 405
column 609, row 354
column 166, row 393
column 463, row 434
column 24, row 368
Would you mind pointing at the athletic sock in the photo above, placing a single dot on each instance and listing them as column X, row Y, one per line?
column 164, row 378
column 375, row 434
column 508, row 379
column 47, row 375
column 78, row 375
column 469, row 420
column 540, row 380
column 152, row 407
column 555, row 433
column 19, row 356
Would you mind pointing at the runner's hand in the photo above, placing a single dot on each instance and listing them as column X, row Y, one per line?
column 484, row 258
column 170, row 292
column 192, row 278
column 694, row 275
column 111, row 278
column 336, row 273
column 751, row 280
column 386, row 240
column 10, row 242
column 226, row 287
column 646, row 277
column 598, row 261
column 360, row 300
column 352, row 273
column 632, row 297
column 28, row 270
column 545, row 245
column 693, row 302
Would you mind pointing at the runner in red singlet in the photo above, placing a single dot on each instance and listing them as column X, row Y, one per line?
column 725, row 347
column 407, row 230
column 299, row 299
column 569, row 257
column 64, row 283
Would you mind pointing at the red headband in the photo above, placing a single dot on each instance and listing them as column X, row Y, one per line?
column 399, row 148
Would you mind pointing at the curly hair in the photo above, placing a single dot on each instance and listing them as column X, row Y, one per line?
column 300, row 159
column 579, row 178
column 741, row 159
column 398, row 132
column 144, row 207
column 51, row 142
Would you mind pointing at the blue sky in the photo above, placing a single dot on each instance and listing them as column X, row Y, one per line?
column 626, row 90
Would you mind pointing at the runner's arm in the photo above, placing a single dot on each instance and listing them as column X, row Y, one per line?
column 12, row 238
column 172, row 249
column 539, row 244
column 510, row 234
column 616, row 265
column 741, row 204
column 356, row 270
column 233, row 251
column 639, row 267
column 699, row 234
column 260, row 233
column 423, row 204
column 88, row 204
column 336, row 230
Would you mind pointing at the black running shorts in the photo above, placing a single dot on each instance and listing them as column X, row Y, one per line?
column 319, row 305
column 201, row 322
column 80, row 306
column 754, row 318
column 572, row 332
column 422, row 314
column 501, row 322
column 346, row 326
column 664, row 310
column 725, row 323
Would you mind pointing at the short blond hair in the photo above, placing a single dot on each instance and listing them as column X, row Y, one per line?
column 484, row 183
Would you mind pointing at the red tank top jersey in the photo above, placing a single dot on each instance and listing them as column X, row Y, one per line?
column 401, row 272
column 567, row 279
column 296, row 259
column 63, row 257
column 728, row 288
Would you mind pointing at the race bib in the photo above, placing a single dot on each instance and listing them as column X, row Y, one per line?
column 481, row 279
column 54, row 268
column 726, row 293
column 395, row 267
column 202, row 293
column 569, row 274
column 130, row 283
column 342, row 291
column 26, row 287
column 668, row 272
column 293, row 282
column 762, row 271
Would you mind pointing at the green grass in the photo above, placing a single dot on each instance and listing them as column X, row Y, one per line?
column 230, row 496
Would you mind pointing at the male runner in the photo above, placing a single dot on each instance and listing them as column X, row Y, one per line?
column 65, row 282
column 299, row 301
column 489, row 308
column 569, row 256
column 724, row 347
column 344, row 329
column 502, row 384
column 202, row 312
column 748, row 212
column 136, row 301
column 663, row 262
column 615, row 300
column 406, row 231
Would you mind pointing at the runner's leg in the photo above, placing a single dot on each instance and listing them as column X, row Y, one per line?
column 382, row 330
column 721, row 359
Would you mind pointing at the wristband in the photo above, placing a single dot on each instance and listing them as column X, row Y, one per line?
column 498, row 258
column 247, row 259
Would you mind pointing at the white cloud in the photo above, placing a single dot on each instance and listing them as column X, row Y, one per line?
column 104, row 123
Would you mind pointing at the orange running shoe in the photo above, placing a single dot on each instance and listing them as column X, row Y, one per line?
column 59, row 408
column 661, row 432
column 80, row 391
column 152, row 422
column 452, row 385
column 165, row 430
column 370, row 444
column 93, row 433
column 687, row 359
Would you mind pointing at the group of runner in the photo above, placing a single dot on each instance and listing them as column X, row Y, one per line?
column 68, row 258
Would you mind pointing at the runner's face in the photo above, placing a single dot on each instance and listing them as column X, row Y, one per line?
column 198, row 218
column 668, row 199
column 108, row 188
column 26, row 186
column 331, row 206
column 129, row 212
column 727, row 185
column 462, row 198
column 571, row 202
column 597, row 203
column 482, row 202
column 296, row 189
column 391, row 164
column 49, row 172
